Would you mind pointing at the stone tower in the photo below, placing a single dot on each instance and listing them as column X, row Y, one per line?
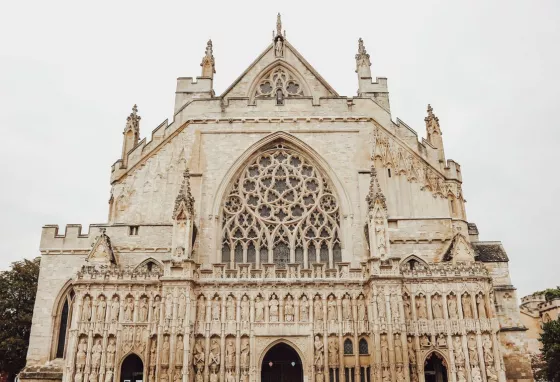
column 278, row 230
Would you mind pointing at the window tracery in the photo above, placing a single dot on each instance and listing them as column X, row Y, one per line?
column 282, row 208
column 279, row 83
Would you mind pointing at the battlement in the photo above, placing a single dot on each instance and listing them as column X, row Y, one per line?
column 72, row 239
column 189, row 89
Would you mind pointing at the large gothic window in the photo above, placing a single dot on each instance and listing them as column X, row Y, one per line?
column 62, row 320
column 281, row 208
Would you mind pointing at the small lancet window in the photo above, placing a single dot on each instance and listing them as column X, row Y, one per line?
column 363, row 345
column 348, row 347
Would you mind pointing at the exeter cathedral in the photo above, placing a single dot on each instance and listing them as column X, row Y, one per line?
column 278, row 232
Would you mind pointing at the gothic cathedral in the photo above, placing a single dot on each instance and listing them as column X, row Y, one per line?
column 278, row 232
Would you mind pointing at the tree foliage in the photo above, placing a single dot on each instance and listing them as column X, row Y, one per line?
column 18, row 287
column 550, row 339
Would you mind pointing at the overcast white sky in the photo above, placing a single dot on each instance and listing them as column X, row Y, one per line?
column 71, row 70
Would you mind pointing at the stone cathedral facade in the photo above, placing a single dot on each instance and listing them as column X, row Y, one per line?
column 278, row 232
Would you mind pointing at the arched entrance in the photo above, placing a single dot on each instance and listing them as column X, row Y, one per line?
column 132, row 369
column 435, row 368
column 281, row 364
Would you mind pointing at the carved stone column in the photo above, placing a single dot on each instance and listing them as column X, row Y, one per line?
column 238, row 337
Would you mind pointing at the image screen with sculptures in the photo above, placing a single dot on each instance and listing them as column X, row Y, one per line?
column 278, row 232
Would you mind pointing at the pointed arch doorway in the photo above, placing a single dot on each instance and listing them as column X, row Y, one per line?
column 435, row 368
column 281, row 364
column 132, row 369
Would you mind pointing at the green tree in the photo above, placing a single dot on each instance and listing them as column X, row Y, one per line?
column 550, row 339
column 18, row 287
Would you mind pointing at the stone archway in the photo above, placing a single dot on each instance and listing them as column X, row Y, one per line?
column 132, row 369
column 281, row 363
column 435, row 368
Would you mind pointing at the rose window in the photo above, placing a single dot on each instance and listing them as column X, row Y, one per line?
column 281, row 209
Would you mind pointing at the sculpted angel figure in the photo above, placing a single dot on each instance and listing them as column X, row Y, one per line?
column 129, row 309
column 115, row 309
column 467, row 306
column 421, row 307
column 216, row 309
column 437, row 309
column 245, row 306
column 273, row 309
column 362, row 312
column 481, row 306
column 86, row 309
column 230, row 309
column 331, row 309
column 452, row 306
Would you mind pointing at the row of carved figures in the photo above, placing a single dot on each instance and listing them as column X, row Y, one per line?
column 288, row 309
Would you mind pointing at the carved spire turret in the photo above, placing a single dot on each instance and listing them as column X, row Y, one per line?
column 208, row 64
column 131, row 133
column 184, row 203
column 375, row 195
column 433, row 133
column 278, row 38
column 362, row 61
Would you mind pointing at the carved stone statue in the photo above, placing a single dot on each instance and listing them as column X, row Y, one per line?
column 182, row 310
column 244, row 358
column 230, row 309
column 476, row 376
column 169, row 307
column 452, row 306
column 304, row 310
column 400, row 374
column 467, row 306
column 473, row 352
column 214, row 376
column 201, row 309
column 156, row 309
column 384, row 349
column 96, row 351
column 214, row 357
column 398, row 349
column 481, row 306
column 177, row 376
column 461, row 377
column 458, row 350
column 487, row 350
column 179, row 349
column 245, row 308
column 230, row 377
column 216, row 309
column 407, row 307
column 289, row 309
column 198, row 354
column 165, row 350
column 273, row 309
column 230, row 354
column 319, row 357
column 259, row 309
column 411, row 352
column 386, row 375
column 362, row 311
column 101, row 309
column 143, row 309
column 86, row 309
column 279, row 47
column 79, row 376
column 129, row 309
column 346, row 309
column 199, row 377
column 441, row 341
column 319, row 377
column 331, row 309
column 318, row 309
column 93, row 376
column 153, row 354
column 421, row 311
column 115, row 308
column 333, row 352
column 437, row 308
column 381, row 306
column 81, row 355
column 111, row 350
column 244, row 376
column 395, row 313
column 425, row 341
column 109, row 376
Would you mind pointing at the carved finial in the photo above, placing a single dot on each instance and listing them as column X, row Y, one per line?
column 133, row 120
column 362, row 58
column 432, row 123
column 184, row 203
column 375, row 195
column 279, row 25
column 208, row 63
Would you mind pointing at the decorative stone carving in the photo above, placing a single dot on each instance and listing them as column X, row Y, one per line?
column 230, row 308
column 244, row 359
column 386, row 374
column 214, row 357
column 115, row 309
column 129, row 309
column 259, row 309
column 165, row 348
column 333, row 352
column 458, row 351
column 153, row 354
column 169, row 307
column 86, row 309
column 143, row 309
column 318, row 309
column 407, row 307
column 96, row 351
column 101, row 309
column 481, row 306
column 230, row 354
column 421, row 311
column 81, row 355
column 362, row 310
column 216, row 310
column 384, row 349
column 381, row 306
column 400, row 374
column 289, row 309
column 109, row 376
column 273, row 309
column 411, row 352
column 467, row 306
column 331, row 309
column 425, row 341
column 156, row 309
column 473, row 352
column 461, row 376
column 476, row 376
column 319, row 360
column 179, row 348
column 452, row 306
column 437, row 307
column 398, row 349
column 245, row 308
column 346, row 308
column 441, row 341
column 201, row 309
column 304, row 309
column 395, row 313
column 487, row 350
column 198, row 355
column 111, row 350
